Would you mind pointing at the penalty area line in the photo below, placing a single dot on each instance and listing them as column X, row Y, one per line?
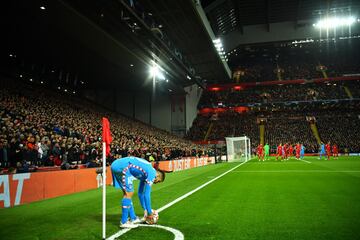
column 123, row 231
column 304, row 161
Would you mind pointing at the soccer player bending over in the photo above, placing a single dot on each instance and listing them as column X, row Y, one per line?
column 124, row 172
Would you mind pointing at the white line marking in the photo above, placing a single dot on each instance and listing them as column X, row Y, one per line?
column 123, row 231
column 118, row 234
column 304, row 161
column 197, row 189
column 178, row 235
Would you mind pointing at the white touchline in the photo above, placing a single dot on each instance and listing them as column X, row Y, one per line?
column 197, row 189
column 304, row 161
column 123, row 231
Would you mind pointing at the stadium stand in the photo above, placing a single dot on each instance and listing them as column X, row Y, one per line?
column 285, row 110
column 276, row 93
column 39, row 127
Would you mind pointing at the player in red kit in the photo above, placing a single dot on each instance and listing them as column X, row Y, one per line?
column 328, row 150
column 297, row 151
column 260, row 152
column 284, row 151
column 291, row 151
column 335, row 151
column 279, row 152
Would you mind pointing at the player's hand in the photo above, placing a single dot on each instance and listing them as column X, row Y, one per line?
column 152, row 218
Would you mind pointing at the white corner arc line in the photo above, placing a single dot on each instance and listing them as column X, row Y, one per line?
column 123, row 231
column 178, row 235
column 304, row 161
column 118, row 234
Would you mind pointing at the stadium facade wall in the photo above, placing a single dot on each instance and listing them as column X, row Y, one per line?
column 18, row 189
column 161, row 116
column 193, row 95
column 137, row 105
column 142, row 107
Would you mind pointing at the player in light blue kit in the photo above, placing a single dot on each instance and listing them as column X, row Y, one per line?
column 124, row 172
column 302, row 151
column 322, row 150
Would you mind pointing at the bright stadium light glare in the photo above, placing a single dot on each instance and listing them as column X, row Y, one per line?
column 217, row 40
column 156, row 72
column 335, row 22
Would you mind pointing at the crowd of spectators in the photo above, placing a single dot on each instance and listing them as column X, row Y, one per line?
column 342, row 128
column 284, row 108
column 228, row 124
column 41, row 128
column 289, row 128
column 338, row 127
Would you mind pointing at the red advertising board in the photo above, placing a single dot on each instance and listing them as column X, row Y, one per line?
column 17, row 189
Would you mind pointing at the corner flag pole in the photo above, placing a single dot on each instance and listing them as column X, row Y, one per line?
column 104, row 193
column 106, row 137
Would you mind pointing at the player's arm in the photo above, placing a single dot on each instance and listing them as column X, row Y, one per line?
column 145, row 196
column 141, row 194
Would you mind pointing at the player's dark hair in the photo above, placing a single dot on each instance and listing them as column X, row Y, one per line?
column 162, row 174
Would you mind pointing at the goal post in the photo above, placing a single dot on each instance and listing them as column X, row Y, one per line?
column 238, row 149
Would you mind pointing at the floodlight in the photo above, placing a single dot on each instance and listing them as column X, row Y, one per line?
column 217, row 41
column 155, row 72
column 335, row 22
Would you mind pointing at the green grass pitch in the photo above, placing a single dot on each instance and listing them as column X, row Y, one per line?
column 258, row 200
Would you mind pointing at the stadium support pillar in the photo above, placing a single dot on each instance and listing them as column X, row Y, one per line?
column 208, row 131
column 262, row 133
column 315, row 132
column 348, row 92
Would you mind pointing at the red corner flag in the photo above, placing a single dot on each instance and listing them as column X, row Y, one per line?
column 106, row 134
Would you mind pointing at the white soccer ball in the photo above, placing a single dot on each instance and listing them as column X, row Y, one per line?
column 153, row 219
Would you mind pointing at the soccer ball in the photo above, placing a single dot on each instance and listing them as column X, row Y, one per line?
column 152, row 219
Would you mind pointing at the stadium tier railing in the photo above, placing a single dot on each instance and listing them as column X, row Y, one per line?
column 222, row 87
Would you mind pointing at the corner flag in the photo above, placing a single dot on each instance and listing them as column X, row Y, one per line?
column 106, row 136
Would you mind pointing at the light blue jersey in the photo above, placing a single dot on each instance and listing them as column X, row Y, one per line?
column 126, row 170
column 322, row 148
column 302, row 151
column 322, row 151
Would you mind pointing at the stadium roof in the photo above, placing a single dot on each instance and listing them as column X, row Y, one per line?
column 229, row 16
column 106, row 45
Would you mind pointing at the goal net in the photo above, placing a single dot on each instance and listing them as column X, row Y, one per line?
column 238, row 149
